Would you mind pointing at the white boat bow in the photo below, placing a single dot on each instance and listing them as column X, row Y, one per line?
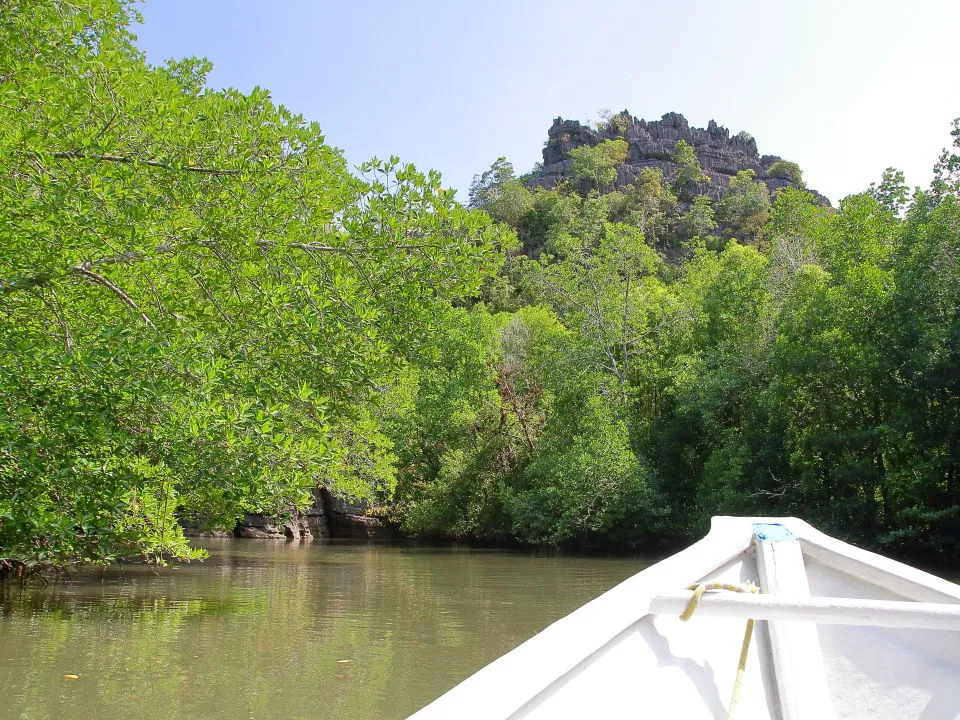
column 841, row 633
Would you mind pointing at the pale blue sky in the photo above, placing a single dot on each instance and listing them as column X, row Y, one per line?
column 845, row 88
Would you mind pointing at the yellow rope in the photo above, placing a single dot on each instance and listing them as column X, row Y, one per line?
column 698, row 590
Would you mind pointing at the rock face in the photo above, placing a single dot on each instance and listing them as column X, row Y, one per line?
column 328, row 517
column 651, row 144
column 350, row 520
column 298, row 526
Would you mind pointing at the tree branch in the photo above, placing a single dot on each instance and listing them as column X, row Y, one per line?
column 127, row 160
column 211, row 298
column 101, row 280
column 54, row 306
column 316, row 247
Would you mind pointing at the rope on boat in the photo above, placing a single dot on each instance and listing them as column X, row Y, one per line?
column 748, row 587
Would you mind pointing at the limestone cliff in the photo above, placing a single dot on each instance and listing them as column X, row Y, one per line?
column 651, row 144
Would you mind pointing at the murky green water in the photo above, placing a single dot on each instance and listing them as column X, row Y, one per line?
column 274, row 630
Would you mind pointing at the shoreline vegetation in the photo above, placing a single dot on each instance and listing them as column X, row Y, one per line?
column 204, row 314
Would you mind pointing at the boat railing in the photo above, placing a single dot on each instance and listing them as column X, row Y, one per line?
column 823, row 610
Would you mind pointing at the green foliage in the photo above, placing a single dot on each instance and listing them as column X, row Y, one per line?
column 647, row 205
column 786, row 170
column 892, row 192
column 513, row 205
column 477, row 419
column 486, row 187
column 689, row 174
column 946, row 173
column 593, row 286
column 200, row 304
column 614, row 123
column 507, row 440
column 585, row 482
column 797, row 232
column 745, row 207
column 597, row 165
column 698, row 222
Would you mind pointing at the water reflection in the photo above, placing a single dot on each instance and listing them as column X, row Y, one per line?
column 265, row 629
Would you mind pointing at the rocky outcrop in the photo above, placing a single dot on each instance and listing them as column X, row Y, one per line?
column 290, row 525
column 295, row 526
column 651, row 144
column 328, row 517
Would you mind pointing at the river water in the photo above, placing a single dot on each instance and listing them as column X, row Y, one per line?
column 277, row 630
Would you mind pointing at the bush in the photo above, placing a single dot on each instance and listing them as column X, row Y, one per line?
column 786, row 170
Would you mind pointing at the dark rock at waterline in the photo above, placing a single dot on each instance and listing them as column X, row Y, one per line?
column 291, row 525
column 266, row 527
column 351, row 520
column 328, row 517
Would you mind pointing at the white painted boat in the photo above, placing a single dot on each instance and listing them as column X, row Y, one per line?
column 840, row 633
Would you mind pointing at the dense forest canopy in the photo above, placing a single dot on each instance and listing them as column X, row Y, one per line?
column 204, row 313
